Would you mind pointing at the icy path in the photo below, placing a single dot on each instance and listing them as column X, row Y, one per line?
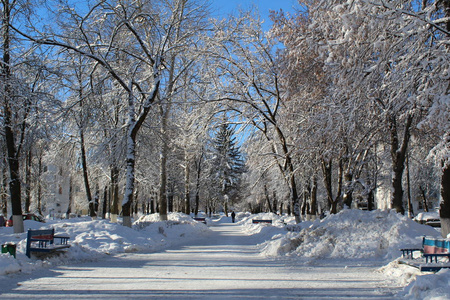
column 225, row 265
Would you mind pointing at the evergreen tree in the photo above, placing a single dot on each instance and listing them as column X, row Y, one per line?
column 227, row 165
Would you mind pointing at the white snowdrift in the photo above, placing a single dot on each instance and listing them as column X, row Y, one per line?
column 91, row 239
column 355, row 235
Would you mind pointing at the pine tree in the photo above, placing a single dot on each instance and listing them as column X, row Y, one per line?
column 227, row 165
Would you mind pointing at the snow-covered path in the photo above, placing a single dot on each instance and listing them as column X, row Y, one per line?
column 225, row 265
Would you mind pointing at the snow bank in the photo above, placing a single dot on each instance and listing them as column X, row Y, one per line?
column 91, row 239
column 432, row 286
column 351, row 234
column 355, row 234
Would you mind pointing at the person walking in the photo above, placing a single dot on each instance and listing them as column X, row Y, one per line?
column 233, row 216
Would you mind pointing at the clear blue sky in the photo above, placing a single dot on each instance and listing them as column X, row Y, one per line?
column 223, row 8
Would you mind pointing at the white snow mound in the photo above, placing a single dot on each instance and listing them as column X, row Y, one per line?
column 351, row 234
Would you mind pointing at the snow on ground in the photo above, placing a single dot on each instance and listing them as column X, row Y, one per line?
column 92, row 239
column 350, row 235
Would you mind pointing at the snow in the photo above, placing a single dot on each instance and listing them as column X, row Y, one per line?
column 352, row 237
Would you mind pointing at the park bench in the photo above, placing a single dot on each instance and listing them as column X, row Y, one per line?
column 202, row 220
column 432, row 249
column 43, row 241
column 254, row 221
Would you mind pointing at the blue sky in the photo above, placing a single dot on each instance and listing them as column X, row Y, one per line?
column 225, row 7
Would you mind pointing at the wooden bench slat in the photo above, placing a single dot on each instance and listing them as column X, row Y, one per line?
column 255, row 221
column 202, row 220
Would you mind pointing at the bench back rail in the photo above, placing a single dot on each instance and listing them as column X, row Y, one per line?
column 254, row 221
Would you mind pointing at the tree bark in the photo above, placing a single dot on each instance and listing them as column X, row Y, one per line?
column 4, row 190
column 398, row 155
column 187, row 192
column 197, row 189
column 444, row 211
column 133, row 128
column 408, row 184
column 105, row 202
column 86, row 175
column 28, row 181
column 39, row 189
column 69, row 207
column 12, row 152
column 348, row 190
column 290, row 173
column 266, row 196
column 130, row 162
column 114, row 208
column 163, row 183
column 424, row 199
column 327, row 166
column 313, row 207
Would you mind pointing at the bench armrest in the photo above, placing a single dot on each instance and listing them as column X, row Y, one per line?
column 430, row 256
column 409, row 252
column 63, row 238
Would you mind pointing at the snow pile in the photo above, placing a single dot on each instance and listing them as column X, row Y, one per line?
column 355, row 234
column 432, row 286
column 425, row 216
column 179, row 227
column 91, row 239
column 351, row 234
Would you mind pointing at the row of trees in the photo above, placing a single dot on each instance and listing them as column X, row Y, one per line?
column 141, row 97
column 369, row 79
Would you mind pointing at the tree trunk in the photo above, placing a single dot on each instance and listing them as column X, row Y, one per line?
column 408, row 183
column 326, row 170
column 39, row 189
column 163, row 171
column 313, row 208
column 129, row 188
column 197, row 189
column 13, row 154
column 136, row 201
column 105, row 202
column 69, row 207
column 398, row 155
column 114, row 208
column 306, row 198
column 327, row 179
column 86, row 175
column 187, row 193
column 348, row 190
column 370, row 200
column 28, row 181
column 4, row 190
column 424, row 199
column 444, row 210
column 266, row 196
column 290, row 172
column 96, row 200
column 275, row 201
